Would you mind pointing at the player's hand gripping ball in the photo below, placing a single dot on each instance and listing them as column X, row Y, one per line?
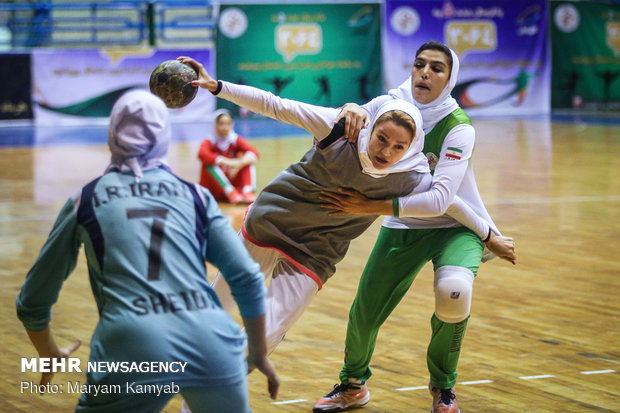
column 171, row 81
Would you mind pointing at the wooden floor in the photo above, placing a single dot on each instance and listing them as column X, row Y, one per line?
column 544, row 335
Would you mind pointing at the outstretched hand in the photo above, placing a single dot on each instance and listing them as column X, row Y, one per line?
column 355, row 118
column 63, row 352
column 205, row 80
column 265, row 366
column 502, row 247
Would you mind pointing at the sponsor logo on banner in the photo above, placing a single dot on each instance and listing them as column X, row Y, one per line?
column 361, row 17
column 293, row 39
column 233, row 23
column 502, row 47
column 448, row 11
column 566, row 18
column 465, row 36
column 405, row 21
column 81, row 86
column 612, row 30
column 529, row 20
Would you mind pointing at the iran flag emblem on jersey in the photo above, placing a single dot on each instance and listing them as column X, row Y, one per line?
column 454, row 153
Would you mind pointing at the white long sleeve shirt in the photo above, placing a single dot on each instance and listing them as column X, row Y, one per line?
column 452, row 175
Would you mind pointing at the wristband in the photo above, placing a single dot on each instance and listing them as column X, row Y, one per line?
column 395, row 207
column 488, row 237
column 219, row 88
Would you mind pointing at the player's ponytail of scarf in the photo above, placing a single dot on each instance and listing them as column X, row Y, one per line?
column 413, row 160
column 439, row 108
column 139, row 133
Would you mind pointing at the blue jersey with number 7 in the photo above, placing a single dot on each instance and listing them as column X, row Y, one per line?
column 146, row 244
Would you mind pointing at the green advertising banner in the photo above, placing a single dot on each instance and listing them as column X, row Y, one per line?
column 324, row 54
column 585, row 41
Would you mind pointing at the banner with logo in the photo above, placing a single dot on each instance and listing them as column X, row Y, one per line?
column 80, row 86
column 501, row 45
column 586, row 55
column 325, row 54
column 15, row 90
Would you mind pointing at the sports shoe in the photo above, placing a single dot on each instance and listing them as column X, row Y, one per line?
column 444, row 400
column 234, row 197
column 345, row 396
column 248, row 197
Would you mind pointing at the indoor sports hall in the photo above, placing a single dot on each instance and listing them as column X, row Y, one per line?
column 540, row 81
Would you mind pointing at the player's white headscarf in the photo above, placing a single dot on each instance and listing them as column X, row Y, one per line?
column 413, row 160
column 223, row 142
column 439, row 108
column 139, row 133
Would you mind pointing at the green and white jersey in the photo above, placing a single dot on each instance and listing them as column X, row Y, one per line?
column 448, row 148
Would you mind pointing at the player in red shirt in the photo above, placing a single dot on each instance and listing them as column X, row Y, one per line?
column 228, row 160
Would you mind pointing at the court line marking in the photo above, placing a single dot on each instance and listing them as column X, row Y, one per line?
column 290, row 401
column 467, row 383
column 598, row 371
column 542, row 376
column 412, row 388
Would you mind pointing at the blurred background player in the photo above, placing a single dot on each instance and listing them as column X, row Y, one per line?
column 146, row 235
column 228, row 163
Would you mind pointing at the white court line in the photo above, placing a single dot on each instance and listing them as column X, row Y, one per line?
column 598, row 372
column 412, row 388
column 466, row 383
column 542, row 376
column 290, row 401
column 469, row 383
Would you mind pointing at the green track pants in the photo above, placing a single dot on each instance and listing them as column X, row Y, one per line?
column 396, row 259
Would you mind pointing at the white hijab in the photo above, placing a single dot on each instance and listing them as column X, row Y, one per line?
column 139, row 133
column 223, row 142
column 439, row 108
column 413, row 160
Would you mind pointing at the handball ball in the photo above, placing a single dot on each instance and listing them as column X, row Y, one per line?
column 171, row 81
